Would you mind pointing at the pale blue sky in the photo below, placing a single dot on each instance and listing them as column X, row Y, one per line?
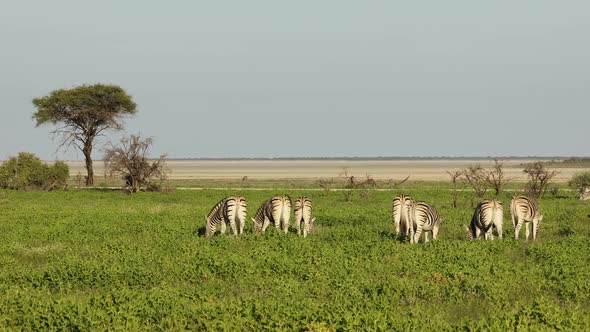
column 310, row 78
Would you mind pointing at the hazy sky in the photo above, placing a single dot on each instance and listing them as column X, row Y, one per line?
column 310, row 78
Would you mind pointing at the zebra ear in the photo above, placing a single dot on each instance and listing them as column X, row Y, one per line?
column 466, row 228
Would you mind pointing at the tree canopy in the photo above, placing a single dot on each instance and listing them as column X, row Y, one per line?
column 83, row 113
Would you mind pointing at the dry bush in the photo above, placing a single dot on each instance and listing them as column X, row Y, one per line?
column 496, row 178
column 539, row 179
column 130, row 159
column 455, row 176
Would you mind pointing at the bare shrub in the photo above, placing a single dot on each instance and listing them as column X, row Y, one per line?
column 539, row 179
column 325, row 184
column 496, row 178
column 476, row 176
column 455, row 176
column 352, row 184
column 130, row 159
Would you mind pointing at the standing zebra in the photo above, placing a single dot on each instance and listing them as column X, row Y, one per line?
column 230, row 210
column 487, row 214
column 303, row 215
column 399, row 214
column 276, row 210
column 525, row 210
column 423, row 217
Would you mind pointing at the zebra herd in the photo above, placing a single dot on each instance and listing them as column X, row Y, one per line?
column 277, row 210
column 411, row 218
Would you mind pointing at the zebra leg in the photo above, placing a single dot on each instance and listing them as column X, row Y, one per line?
column 426, row 237
column 298, row 224
column 234, row 228
column 223, row 227
column 396, row 222
column 417, row 235
column 526, row 227
column 477, row 232
column 242, row 223
column 517, row 229
column 535, row 228
column 499, row 230
column 305, row 228
column 285, row 219
column 434, row 232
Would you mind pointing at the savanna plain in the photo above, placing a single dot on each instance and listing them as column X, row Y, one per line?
column 91, row 259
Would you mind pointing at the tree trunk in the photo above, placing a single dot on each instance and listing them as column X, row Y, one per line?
column 88, row 156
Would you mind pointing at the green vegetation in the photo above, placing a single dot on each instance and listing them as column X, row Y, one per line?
column 27, row 171
column 580, row 182
column 97, row 260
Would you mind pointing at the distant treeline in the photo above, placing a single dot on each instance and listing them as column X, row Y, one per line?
column 399, row 158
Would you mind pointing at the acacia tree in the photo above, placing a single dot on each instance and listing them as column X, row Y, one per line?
column 83, row 113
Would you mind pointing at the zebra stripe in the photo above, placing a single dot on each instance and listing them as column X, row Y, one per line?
column 276, row 210
column 488, row 214
column 304, row 215
column 423, row 217
column 525, row 210
column 230, row 210
column 399, row 214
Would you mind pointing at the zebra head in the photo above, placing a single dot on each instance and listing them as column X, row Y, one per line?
column 469, row 236
column 257, row 225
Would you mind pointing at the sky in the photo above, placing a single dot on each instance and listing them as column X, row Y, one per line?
column 309, row 78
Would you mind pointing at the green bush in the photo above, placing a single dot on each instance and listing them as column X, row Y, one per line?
column 580, row 182
column 27, row 171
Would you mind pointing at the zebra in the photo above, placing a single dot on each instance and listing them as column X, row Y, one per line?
column 399, row 214
column 525, row 210
column 277, row 210
column 304, row 216
column 423, row 217
column 487, row 214
column 230, row 210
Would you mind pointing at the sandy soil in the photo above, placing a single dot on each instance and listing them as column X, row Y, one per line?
column 314, row 169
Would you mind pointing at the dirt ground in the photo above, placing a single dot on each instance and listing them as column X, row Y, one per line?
column 429, row 170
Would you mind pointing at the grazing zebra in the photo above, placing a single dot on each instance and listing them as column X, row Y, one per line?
column 304, row 216
column 400, row 211
column 230, row 210
column 525, row 210
column 487, row 214
column 276, row 210
column 423, row 217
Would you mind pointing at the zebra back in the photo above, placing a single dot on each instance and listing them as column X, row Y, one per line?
column 525, row 208
column 303, row 209
column 399, row 212
column 229, row 209
column 425, row 215
column 487, row 213
column 273, row 209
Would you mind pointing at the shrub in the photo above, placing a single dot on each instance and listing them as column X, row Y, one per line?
column 27, row 171
column 539, row 177
column 581, row 183
column 130, row 159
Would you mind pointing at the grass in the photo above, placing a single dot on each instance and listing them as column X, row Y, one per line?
column 96, row 260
